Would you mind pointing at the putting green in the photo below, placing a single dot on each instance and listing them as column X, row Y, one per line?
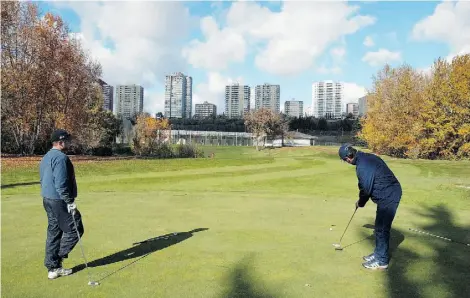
column 249, row 224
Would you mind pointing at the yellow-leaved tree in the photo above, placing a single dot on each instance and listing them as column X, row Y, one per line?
column 411, row 114
column 445, row 116
column 393, row 106
column 148, row 139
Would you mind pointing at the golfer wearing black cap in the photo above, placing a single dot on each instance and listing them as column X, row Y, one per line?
column 59, row 190
column 376, row 181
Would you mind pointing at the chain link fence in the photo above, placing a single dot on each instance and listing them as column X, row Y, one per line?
column 222, row 138
column 212, row 138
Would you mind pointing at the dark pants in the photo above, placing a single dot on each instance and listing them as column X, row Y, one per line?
column 383, row 223
column 61, row 233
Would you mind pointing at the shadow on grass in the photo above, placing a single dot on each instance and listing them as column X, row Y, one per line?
column 396, row 238
column 19, row 184
column 450, row 270
column 139, row 250
column 357, row 242
column 242, row 284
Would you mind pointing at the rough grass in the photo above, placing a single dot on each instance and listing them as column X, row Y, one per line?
column 268, row 217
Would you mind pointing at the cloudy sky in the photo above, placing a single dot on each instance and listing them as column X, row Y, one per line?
column 289, row 43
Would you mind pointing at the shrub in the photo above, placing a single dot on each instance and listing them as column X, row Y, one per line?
column 163, row 150
column 188, row 151
column 122, row 150
column 102, row 151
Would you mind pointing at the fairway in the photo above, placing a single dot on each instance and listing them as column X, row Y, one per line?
column 249, row 224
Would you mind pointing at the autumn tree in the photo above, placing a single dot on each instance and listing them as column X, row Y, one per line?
column 411, row 114
column 23, row 103
column 394, row 104
column 147, row 134
column 265, row 123
column 445, row 116
column 48, row 80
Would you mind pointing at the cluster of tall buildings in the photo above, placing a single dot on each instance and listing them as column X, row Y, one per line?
column 267, row 96
column 327, row 100
column 238, row 99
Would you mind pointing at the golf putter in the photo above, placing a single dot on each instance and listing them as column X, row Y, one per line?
column 90, row 282
column 338, row 245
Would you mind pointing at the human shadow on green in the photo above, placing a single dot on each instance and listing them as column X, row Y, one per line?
column 242, row 284
column 13, row 185
column 445, row 271
column 140, row 250
column 396, row 238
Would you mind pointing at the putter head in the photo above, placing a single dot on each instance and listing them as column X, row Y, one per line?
column 337, row 246
column 93, row 283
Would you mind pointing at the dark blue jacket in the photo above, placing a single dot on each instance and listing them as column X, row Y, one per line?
column 376, row 180
column 57, row 177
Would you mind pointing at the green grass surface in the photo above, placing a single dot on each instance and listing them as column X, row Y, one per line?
column 268, row 216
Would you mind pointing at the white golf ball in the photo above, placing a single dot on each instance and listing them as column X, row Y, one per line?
column 331, row 229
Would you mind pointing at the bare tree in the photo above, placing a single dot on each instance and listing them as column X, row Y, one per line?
column 264, row 123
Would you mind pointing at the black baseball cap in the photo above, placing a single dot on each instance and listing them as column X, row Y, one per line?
column 60, row 135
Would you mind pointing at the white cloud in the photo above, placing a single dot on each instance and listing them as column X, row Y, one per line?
column 352, row 92
column 220, row 48
column 450, row 23
column 381, row 57
column 369, row 42
column 213, row 90
column 154, row 101
column 286, row 42
column 135, row 42
column 329, row 70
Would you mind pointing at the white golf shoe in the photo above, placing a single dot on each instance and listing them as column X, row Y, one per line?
column 375, row 265
column 58, row 272
column 369, row 258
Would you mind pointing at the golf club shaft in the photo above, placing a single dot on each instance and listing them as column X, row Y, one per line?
column 418, row 231
column 347, row 226
column 81, row 247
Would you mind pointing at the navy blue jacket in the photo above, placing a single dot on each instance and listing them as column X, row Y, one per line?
column 376, row 180
column 57, row 177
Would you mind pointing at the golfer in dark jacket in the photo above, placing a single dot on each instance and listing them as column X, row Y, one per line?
column 59, row 190
column 376, row 181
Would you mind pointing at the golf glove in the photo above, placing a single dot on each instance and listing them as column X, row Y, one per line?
column 71, row 208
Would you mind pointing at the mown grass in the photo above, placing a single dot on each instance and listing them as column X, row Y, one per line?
column 268, row 216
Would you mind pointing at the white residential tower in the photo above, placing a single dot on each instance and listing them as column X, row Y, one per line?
column 268, row 96
column 237, row 100
column 327, row 97
column 178, row 96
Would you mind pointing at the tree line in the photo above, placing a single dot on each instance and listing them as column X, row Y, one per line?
column 414, row 114
column 308, row 125
column 48, row 81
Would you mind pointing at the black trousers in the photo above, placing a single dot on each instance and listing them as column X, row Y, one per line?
column 61, row 233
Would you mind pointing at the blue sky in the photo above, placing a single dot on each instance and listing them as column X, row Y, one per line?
column 289, row 43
